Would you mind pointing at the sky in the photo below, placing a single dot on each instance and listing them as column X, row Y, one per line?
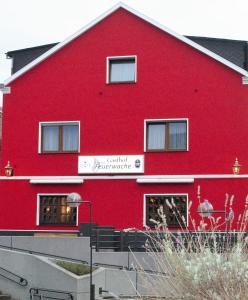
column 29, row 23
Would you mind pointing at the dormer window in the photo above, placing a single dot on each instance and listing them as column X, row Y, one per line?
column 121, row 69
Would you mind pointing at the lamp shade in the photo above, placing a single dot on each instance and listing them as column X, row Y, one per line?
column 205, row 208
column 74, row 200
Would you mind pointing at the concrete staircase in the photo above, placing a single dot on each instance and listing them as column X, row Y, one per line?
column 4, row 296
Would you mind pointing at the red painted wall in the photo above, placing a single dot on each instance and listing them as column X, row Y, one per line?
column 116, row 203
column 173, row 81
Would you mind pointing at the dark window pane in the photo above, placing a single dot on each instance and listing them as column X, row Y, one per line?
column 174, row 209
column 58, row 212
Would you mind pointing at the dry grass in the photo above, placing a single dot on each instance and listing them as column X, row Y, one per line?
column 200, row 265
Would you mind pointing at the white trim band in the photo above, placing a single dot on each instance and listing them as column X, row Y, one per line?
column 165, row 180
column 56, row 181
column 80, row 179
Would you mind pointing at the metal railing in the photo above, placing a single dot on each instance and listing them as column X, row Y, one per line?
column 137, row 241
column 119, row 240
column 44, row 254
column 13, row 277
column 139, row 273
column 40, row 293
column 127, row 268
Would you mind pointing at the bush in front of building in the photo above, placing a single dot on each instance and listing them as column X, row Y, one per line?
column 203, row 264
column 75, row 268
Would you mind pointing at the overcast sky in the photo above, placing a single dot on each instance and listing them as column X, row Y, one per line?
column 28, row 23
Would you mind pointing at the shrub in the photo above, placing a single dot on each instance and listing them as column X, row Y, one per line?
column 200, row 264
column 75, row 268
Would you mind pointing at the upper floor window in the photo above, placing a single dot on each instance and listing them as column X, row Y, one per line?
column 166, row 135
column 53, row 210
column 121, row 69
column 59, row 137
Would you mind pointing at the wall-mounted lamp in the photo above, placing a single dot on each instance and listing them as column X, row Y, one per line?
column 74, row 200
column 205, row 209
column 236, row 167
column 9, row 171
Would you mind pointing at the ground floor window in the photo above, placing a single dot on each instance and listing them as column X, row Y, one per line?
column 55, row 211
column 173, row 207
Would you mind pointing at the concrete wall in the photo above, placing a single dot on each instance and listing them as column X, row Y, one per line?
column 43, row 273
column 39, row 272
column 77, row 248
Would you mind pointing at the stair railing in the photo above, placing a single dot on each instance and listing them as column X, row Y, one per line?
column 41, row 293
column 13, row 277
column 44, row 254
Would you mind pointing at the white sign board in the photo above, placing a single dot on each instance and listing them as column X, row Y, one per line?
column 111, row 164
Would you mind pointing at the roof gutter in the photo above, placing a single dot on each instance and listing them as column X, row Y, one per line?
column 245, row 79
column 5, row 89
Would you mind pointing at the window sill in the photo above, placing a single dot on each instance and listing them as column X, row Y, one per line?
column 121, row 82
column 169, row 180
column 165, row 151
column 62, row 152
column 58, row 180
column 54, row 225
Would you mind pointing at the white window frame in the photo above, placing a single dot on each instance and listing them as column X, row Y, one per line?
column 165, row 120
column 110, row 58
column 57, row 123
column 38, row 209
column 166, row 194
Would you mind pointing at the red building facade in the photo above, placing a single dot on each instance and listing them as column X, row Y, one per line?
column 129, row 115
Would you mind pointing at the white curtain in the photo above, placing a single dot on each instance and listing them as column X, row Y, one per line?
column 178, row 136
column 70, row 138
column 121, row 72
column 156, row 136
column 50, row 138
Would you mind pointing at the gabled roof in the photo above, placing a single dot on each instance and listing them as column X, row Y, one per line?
column 138, row 14
column 22, row 57
column 235, row 51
